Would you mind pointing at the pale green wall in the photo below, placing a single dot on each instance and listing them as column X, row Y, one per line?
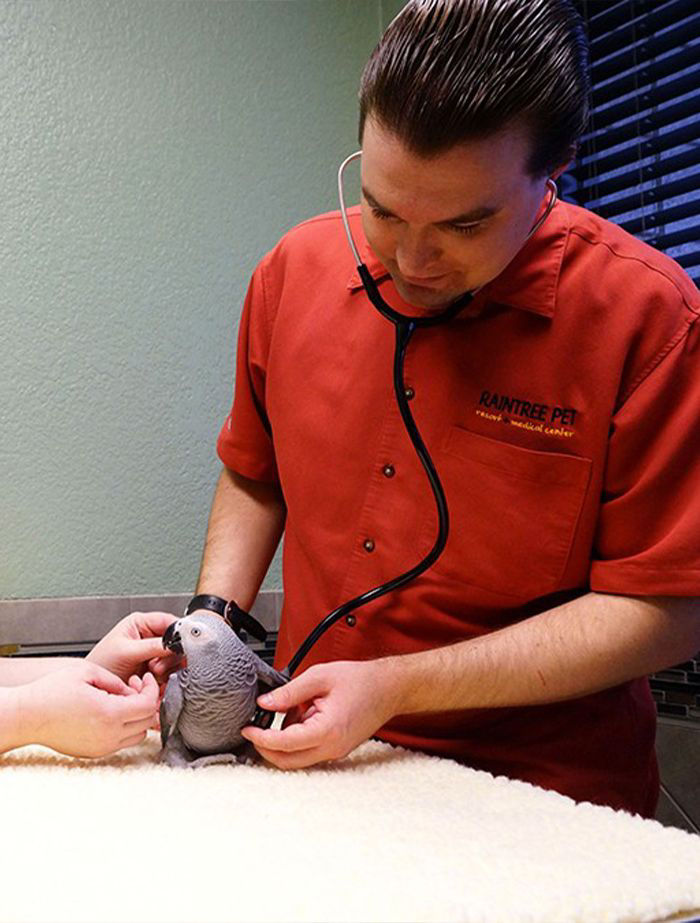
column 150, row 153
column 389, row 9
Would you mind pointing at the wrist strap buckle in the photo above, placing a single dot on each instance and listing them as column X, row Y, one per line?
column 237, row 618
column 240, row 619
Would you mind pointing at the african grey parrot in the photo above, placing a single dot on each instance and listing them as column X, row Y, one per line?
column 208, row 702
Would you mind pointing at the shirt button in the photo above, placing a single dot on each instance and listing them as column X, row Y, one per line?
column 368, row 544
column 350, row 620
column 388, row 471
column 410, row 393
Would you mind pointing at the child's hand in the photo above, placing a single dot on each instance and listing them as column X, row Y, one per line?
column 84, row 710
column 134, row 646
column 137, row 683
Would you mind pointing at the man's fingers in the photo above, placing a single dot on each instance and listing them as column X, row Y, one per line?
column 301, row 759
column 309, row 713
column 294, row 738
column 298, row 691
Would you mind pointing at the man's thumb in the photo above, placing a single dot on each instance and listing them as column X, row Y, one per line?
column 292, row 693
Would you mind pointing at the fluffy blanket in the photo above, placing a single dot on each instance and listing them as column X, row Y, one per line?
column 383, row 835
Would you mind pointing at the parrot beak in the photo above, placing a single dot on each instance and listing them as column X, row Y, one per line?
column 172, row 640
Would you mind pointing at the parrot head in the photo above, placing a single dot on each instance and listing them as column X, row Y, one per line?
column 197, row 635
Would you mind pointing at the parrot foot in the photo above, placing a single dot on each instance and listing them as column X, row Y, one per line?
column 175, row 757
column 246, row 755
column 212, row 759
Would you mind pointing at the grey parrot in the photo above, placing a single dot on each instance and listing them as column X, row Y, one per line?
column 208, row 701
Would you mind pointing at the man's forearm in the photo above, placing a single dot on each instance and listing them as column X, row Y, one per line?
column 245, row 527
column 594, row 642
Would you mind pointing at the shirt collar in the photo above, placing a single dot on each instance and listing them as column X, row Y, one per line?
column 530, row 280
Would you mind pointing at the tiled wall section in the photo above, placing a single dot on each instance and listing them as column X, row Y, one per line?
column 678, row 749
column 71, row 626
column 35, row 624
column 677, row 691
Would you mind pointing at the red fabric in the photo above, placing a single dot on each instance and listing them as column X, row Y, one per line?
column 559, row 409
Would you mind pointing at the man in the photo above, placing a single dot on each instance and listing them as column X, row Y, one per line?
column 558, row 407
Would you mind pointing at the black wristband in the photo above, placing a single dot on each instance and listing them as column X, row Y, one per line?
column 204, row 601
column 237, row 618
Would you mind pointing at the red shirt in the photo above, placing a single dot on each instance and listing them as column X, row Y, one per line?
column 559, row 410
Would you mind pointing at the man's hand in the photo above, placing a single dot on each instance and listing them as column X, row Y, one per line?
column 84, row 710
column 134, row 645
column 339, row 705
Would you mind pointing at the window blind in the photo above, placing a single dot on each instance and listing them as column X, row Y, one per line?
column 639, row 160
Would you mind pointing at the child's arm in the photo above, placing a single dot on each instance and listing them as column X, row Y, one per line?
column 17, row 670
column 125, row 650
column 83, row 710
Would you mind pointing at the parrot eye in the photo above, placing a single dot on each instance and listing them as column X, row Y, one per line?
column 195, row 632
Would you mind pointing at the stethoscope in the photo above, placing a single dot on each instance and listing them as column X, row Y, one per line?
column 404, row 325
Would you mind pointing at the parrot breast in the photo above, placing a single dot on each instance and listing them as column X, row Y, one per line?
column 216, row 706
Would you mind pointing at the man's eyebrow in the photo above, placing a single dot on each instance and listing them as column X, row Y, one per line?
column 476, row 214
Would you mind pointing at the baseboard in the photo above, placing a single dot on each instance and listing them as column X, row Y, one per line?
column 85, row 619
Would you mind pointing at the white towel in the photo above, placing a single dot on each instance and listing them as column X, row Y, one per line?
column 384, row 835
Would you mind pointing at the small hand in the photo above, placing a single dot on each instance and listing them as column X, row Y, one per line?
column 134, row 645
column 137, row 683
column 84, row 710
column 340, row 705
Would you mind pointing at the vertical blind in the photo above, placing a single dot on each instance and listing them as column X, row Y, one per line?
column 639, row 160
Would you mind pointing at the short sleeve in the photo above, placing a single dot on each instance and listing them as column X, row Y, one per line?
column 648, row 536
column 245, row 440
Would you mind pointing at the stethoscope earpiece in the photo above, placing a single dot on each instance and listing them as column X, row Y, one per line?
column 554, row 195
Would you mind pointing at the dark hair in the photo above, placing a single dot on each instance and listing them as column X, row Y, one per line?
column 446, row 71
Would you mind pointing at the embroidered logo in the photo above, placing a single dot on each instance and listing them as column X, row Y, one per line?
column 549, row 419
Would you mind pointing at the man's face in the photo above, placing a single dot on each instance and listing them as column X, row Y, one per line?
column 447, row 224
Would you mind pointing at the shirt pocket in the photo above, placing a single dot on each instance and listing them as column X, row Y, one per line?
column 513, row 513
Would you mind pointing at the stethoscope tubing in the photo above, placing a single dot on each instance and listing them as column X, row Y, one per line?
column 404, row 331
column 405, row 326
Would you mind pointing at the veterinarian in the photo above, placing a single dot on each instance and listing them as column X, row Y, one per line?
column 89, row 707
column 559, row 406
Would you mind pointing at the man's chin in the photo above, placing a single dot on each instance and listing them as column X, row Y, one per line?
column 424, row 298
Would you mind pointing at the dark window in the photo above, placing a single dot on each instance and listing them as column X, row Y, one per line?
column 639, row 161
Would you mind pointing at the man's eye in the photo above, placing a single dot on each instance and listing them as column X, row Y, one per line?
column 379, row 213
column 466, row 228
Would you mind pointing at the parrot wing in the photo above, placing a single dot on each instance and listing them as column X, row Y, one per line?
column 170, row 707
column 268, row 675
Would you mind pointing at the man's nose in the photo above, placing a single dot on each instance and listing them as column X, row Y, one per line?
column 416, row 251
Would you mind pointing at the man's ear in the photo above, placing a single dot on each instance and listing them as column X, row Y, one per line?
column 563, row 167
